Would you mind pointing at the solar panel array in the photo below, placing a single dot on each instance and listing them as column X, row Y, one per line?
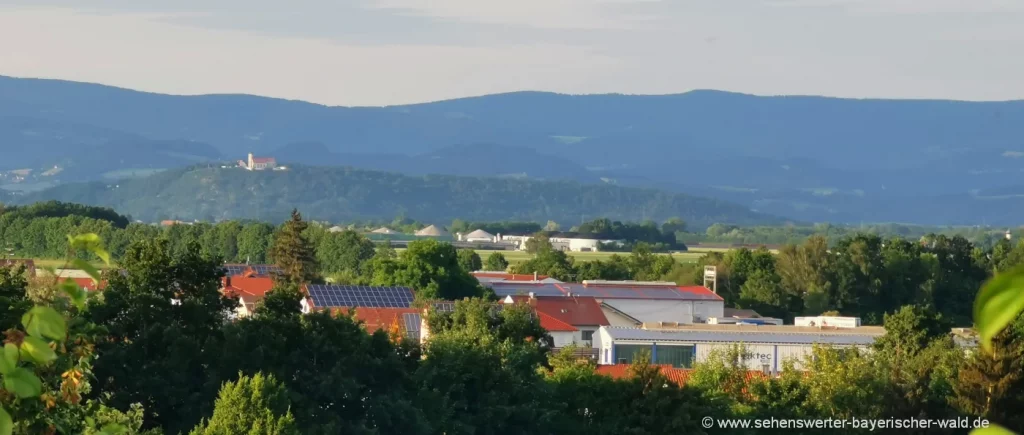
column 259, row 269
column 507, row 290
column 412, row 325
column 338, row 296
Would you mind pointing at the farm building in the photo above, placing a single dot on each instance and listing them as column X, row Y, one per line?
column 629, row 303
column 476, row 236
column 485, row 277
column 767, row 347
column 564, row 241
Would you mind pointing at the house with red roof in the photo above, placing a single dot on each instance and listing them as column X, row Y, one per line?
column 404, row 321
column 249, row 289
column 569, row 320
column 89, row 285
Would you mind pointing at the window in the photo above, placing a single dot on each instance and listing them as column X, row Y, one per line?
column 677, row 356
column 626, row 353
column 588, row 335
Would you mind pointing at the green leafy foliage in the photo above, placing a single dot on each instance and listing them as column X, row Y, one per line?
column 998, row 303
column 38, row 351
column 293, row 254
column 496, row 262
column 256, row 405
column 469, row 260
column 22, row 382
column 46, row 322
column 430, row 267
column 6, row 424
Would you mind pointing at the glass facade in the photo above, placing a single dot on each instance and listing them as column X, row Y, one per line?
column 676, row 356
column 626, row 353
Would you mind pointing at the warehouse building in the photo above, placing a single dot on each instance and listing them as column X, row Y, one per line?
column 767, row 347
column 629, row 303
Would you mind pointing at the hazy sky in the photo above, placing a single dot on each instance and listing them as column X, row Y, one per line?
column 378, row 52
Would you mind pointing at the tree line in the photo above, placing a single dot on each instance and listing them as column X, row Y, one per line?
column 156, row 353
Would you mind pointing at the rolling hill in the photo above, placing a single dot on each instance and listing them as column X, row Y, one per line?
column 342, row 193
column 809, row 158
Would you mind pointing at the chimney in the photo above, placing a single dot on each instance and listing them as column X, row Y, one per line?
column 532, row 296
column 227, row 281
column 535, row 275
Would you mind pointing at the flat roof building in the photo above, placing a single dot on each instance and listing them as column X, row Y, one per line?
column 766, row 346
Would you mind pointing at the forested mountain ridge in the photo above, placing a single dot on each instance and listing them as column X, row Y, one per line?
column 343, row 194
column 807, row 158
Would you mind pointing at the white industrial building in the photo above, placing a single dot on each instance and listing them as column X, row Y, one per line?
column 767, row 347
column 630, row 303
column 574, row 242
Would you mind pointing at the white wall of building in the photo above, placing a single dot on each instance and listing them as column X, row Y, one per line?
column 578, row 245
column 565, row 338
column 757, row 354
column 605, row 347
column 648, row 310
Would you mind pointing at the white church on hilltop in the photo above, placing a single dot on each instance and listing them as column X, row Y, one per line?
column 258, row 163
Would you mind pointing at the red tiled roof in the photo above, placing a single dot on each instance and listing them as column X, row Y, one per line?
column 247, row 288
column 552, row 324
column 88, row 284
column 575, row 311
column 676, row 375
column 508, row 276
column 379, row 318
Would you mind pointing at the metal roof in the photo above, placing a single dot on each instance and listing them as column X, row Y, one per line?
column 692, row 293
column 637, row 334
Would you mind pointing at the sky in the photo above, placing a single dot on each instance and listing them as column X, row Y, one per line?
column 386, row 52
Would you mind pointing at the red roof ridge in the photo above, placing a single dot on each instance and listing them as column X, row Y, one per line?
column 551, row 323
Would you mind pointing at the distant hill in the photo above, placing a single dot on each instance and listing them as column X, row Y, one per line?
column 478, row 160
column 339, row 194
column 786, row 155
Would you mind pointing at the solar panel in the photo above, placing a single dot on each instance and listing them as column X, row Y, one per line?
column 412, row 325
column 335, row 296
column 622, row 293
column 258, row 269
column 515, row 291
